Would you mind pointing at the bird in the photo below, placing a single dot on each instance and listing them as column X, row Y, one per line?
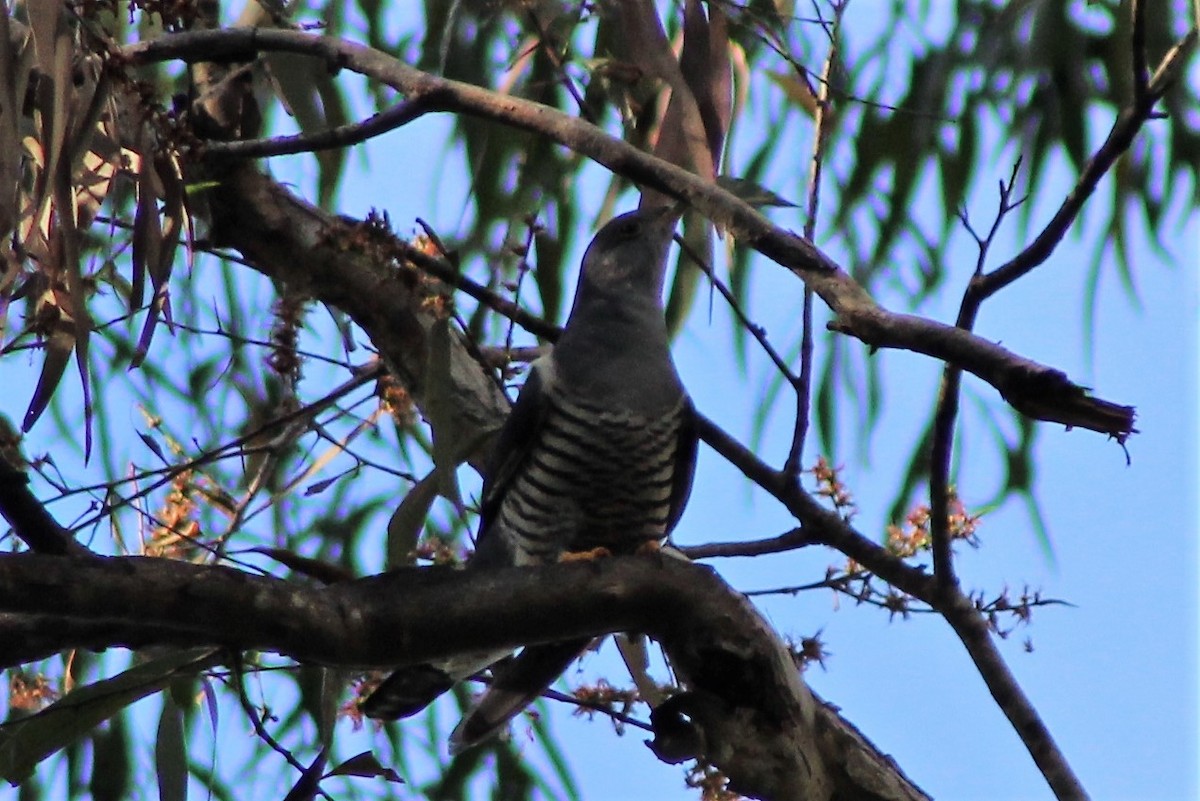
column 597, row 457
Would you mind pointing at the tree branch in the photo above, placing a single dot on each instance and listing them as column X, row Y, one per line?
column 788, row 541
column 1036, row 390
column 1126, row 126
column 760, row 724
column 339, row 137
column 826, row 527
column 972, row 630
column 29, row 518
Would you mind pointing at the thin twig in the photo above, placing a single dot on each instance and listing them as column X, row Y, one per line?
column 444, row 271
column 256, row 721
column 369, row 373
column 756, row 331
column 1141, row 70
column 973, row 632
column 531, row 228
column 1040, row 392
column 946, row 413
column 803, row 385
column 828, row 528
column 1125, row 127
column 342, row 136
column 559, row 65
column 620, row 717
column 788, row 541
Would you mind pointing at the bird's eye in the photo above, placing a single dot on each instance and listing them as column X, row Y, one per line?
column 630, row 228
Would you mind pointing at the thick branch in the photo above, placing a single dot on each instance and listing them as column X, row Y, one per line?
column 761, row 726
column 29, row 518
column 1036, row 390
column 355, row 269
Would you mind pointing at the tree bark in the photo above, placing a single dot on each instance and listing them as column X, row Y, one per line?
column 748, row 712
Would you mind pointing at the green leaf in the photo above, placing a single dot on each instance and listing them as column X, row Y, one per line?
column 449, row 447
column 59, row 346
column 111, row 774
column 405, row 526
column 25, row 743
column 558, row 760
column 368, row 766
column 309, row 783
column 321, row 691
column 170, row 753
column 698, row 237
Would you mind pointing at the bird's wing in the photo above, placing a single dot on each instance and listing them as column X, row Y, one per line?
column 686, row 446
column 410, row 689
column 511, row 450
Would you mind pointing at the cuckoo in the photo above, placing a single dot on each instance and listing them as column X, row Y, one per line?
column 597, row 457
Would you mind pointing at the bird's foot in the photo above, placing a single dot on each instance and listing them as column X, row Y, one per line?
column 585, row 556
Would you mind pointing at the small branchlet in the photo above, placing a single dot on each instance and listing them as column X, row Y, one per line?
column 830, row 486
column 914, row 536
column 712, row 784
column 606, row 699
column 29, row 692
column 284, row 358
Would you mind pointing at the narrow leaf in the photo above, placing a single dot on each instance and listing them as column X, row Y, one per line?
column 58, row 348
column 153, row 445
column 441, row 407
column 13, row 75
column 367, row 766
column 52, row 47
column 175, row 221
column 210, row 701
column 25, row 743
column 68, row 235
column 309, row 783
column 112, row 772
column 170, row 753
column 754, row 194
column 147, row 253
column 407, row 522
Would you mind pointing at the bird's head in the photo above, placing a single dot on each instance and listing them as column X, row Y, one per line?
column 629, row 254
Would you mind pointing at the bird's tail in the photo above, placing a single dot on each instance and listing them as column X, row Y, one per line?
column 517, row 683
column 410, row 689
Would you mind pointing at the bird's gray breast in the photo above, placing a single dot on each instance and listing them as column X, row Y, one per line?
column 599, row 475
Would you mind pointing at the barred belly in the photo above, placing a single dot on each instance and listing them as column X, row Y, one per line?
column 596, row 478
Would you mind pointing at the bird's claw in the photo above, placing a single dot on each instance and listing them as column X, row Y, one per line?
column 585, row 556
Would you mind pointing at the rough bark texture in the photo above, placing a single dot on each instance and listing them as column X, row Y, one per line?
column 750, row 713
column 744, row 709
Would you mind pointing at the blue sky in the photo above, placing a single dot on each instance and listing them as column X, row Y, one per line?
column 1114, row 676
